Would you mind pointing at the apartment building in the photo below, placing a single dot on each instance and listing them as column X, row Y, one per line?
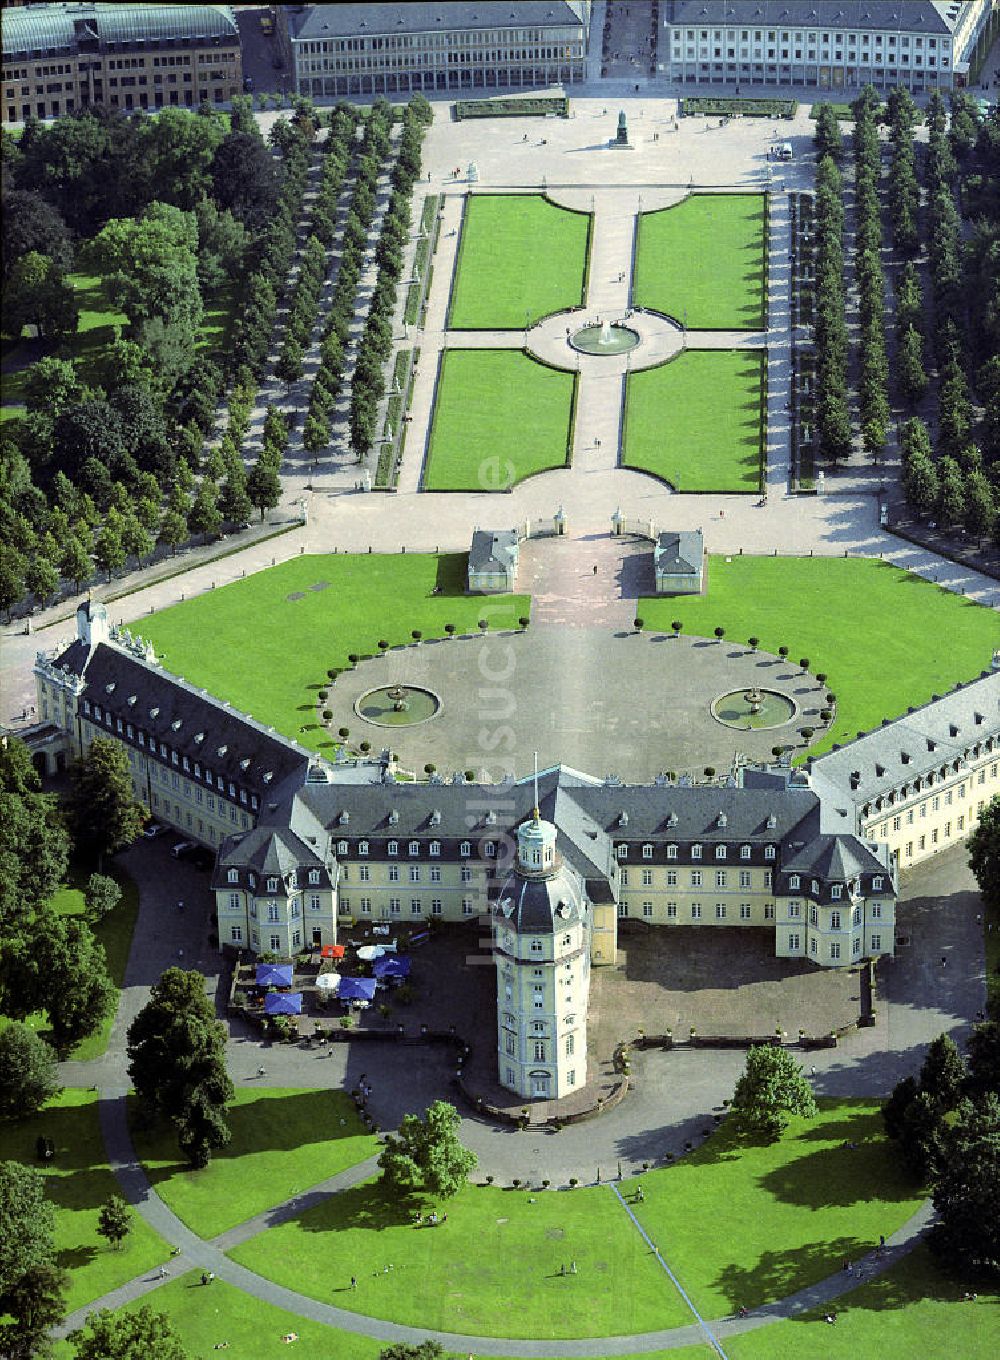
column 59, row 58
column 371, row 49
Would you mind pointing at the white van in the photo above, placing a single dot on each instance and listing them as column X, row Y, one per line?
column 783, row 151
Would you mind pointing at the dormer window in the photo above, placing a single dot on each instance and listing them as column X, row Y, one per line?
column 341, row 848
column 362, row 847
column 153, row 712
column 696, row 852
column 490, row 849
column 745, row 852
column 720, row 852
column 672, row 819
column 222, row 751
column 647, row 852
column 794, row 882
column 132, row 700
column 435, row 818
column 344, row 818
column 836, row 891
column 199, row 738
column 393, row 848
column 623, row 819
column 414, row 847
column 393, row 817
column 313, row 875
column 175, row 726
column 877, row 883
column 772, row 822
column 769, row 852
column 465, row 849
column 435, row 847
column 234, row 875
column 622, row 852
column 721, row 820
column 671, row 852
column 272, row 885
column 815, row 886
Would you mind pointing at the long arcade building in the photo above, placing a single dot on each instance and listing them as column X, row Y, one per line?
column 306, row 848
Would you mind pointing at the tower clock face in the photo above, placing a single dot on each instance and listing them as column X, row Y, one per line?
column 562, row 909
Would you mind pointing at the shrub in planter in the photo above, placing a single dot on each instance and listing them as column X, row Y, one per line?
column 323, row 695
column 327, row 714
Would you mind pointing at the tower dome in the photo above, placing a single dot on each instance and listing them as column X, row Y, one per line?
column 536, row 847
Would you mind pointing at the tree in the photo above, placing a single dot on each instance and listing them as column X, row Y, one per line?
column 399, row 1350
column 136, row 538
column 115, row 1220
column 27, row 1071
column 30, row 223
column 34, row 844
column 244, row 179
column 204, row 517
column 177, row 1063
column 894, row 1109
column 109, row 550
column 984, row 852
column 104, row 813
column 920, row 1139
column 37, row 294
column 942, row 1075
column 41, row 577
column 173, row 529
column 426, row 1157
column 983, row 1051
column 75, row 562
column 771, row 1090
column 13, row 567
column 234, row 502
column 263, row 487
column 967, row 1192
column 101, row 896
column 127, row 1336
column 31, row 1285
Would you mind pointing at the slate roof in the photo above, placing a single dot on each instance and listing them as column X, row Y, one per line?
column 360, row 20
column 943, row 731
column 188, row 720
column 492, row 550
column 541, row 905
column 37, row 28
column 835, row 858
column 680, row 554
column 911, row 16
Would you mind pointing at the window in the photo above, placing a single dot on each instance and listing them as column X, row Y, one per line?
column 313, row 875
column 467, row 908
column 647, row 908
column 622, row 852
column 647, row 852
column 695, row 911
column 275, row 942
column 671, row 878
column 234, row 876
column 623, row 878
column 364, row 873
column 720, row 878
column 671, row 852
column 695, row 878
column 539, row 1050
column 696, row 852
column 273, row 912
column 414, row 873
column 877, row 883
column 835, row 950
column 509, row 1043
column 272, row 885
column 720, row 852
column 435, row 847
column 876, row 943
column 393, row 848
column 465, row 874
column 570, row 1045
column 768, row 911
column 414, row 847
column 744, row 852
column 834, row 920
column 794, row 882
column 720, row 911
column 647, row 878
column 435, row 873
column 465, row 849
column 769, row 852
column 671, row 911
column 314, row 902
column 793, row 941
column 236, row 934
column 746, row 878
column 836, row 891
column 234, row 901
column 536, row 946
column 794, row 909
column 745, row 912
column 393, row 873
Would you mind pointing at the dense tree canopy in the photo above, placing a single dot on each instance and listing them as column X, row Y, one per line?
column 27, row 1071
column 34, row 844
column 138, row 1335
column 984, row 852
column 967, row 1190
column 31, row 1285
column 104, row 813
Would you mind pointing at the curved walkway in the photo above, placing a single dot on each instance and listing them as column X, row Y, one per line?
column 193, row 1252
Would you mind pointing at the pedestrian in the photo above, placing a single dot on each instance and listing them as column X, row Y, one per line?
column 354, row 1282
column 881, row 1241
column 944, row 961
column 595, row 568
column 812, row 1071
column 572, row 1267
column 163, row 1272
column 261, row 1072
column 180, row 953
column 180, row 905
column 211, row 1276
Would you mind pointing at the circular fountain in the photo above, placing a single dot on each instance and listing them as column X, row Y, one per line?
column 604, row 338
column 753, row 709
column 397, row 705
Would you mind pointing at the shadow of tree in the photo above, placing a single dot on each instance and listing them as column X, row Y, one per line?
column 779, row 1273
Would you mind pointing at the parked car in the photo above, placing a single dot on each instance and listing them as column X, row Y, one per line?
column 182, row 849
column 153, row 830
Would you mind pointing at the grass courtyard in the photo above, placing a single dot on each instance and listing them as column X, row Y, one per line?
column 308, row 615
column 494, row 1266
column 519, row 256
column 78, row 1181
column 702, row 262
column 884, row 638
column 499, row 416
column 284, row 1141
column 695, row 422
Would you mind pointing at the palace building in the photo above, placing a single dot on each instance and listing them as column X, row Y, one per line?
column 554, row 863
column 376, row 48
column 60, row 58
column 828, row 44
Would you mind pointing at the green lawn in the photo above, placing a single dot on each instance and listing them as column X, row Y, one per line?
column 704, row 258
column 884, row 638
column 296, row 640
column 742, row 1222
column 913, row 1310
column 284, row 1141
column 519, row 255
column 78, row 1182
column 115, row 933
column 492, row 1269
column 498, row 417
column 695, row 421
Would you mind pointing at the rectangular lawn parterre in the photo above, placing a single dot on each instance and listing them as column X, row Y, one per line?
column 78, row 1181
column 702, row 262
column 696, row 421
column 284, row 1141
column 492, row 1269
column 299, row 631
column 498, row 417
column 743, row 1222
column 519, row 256
column 884, row 638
